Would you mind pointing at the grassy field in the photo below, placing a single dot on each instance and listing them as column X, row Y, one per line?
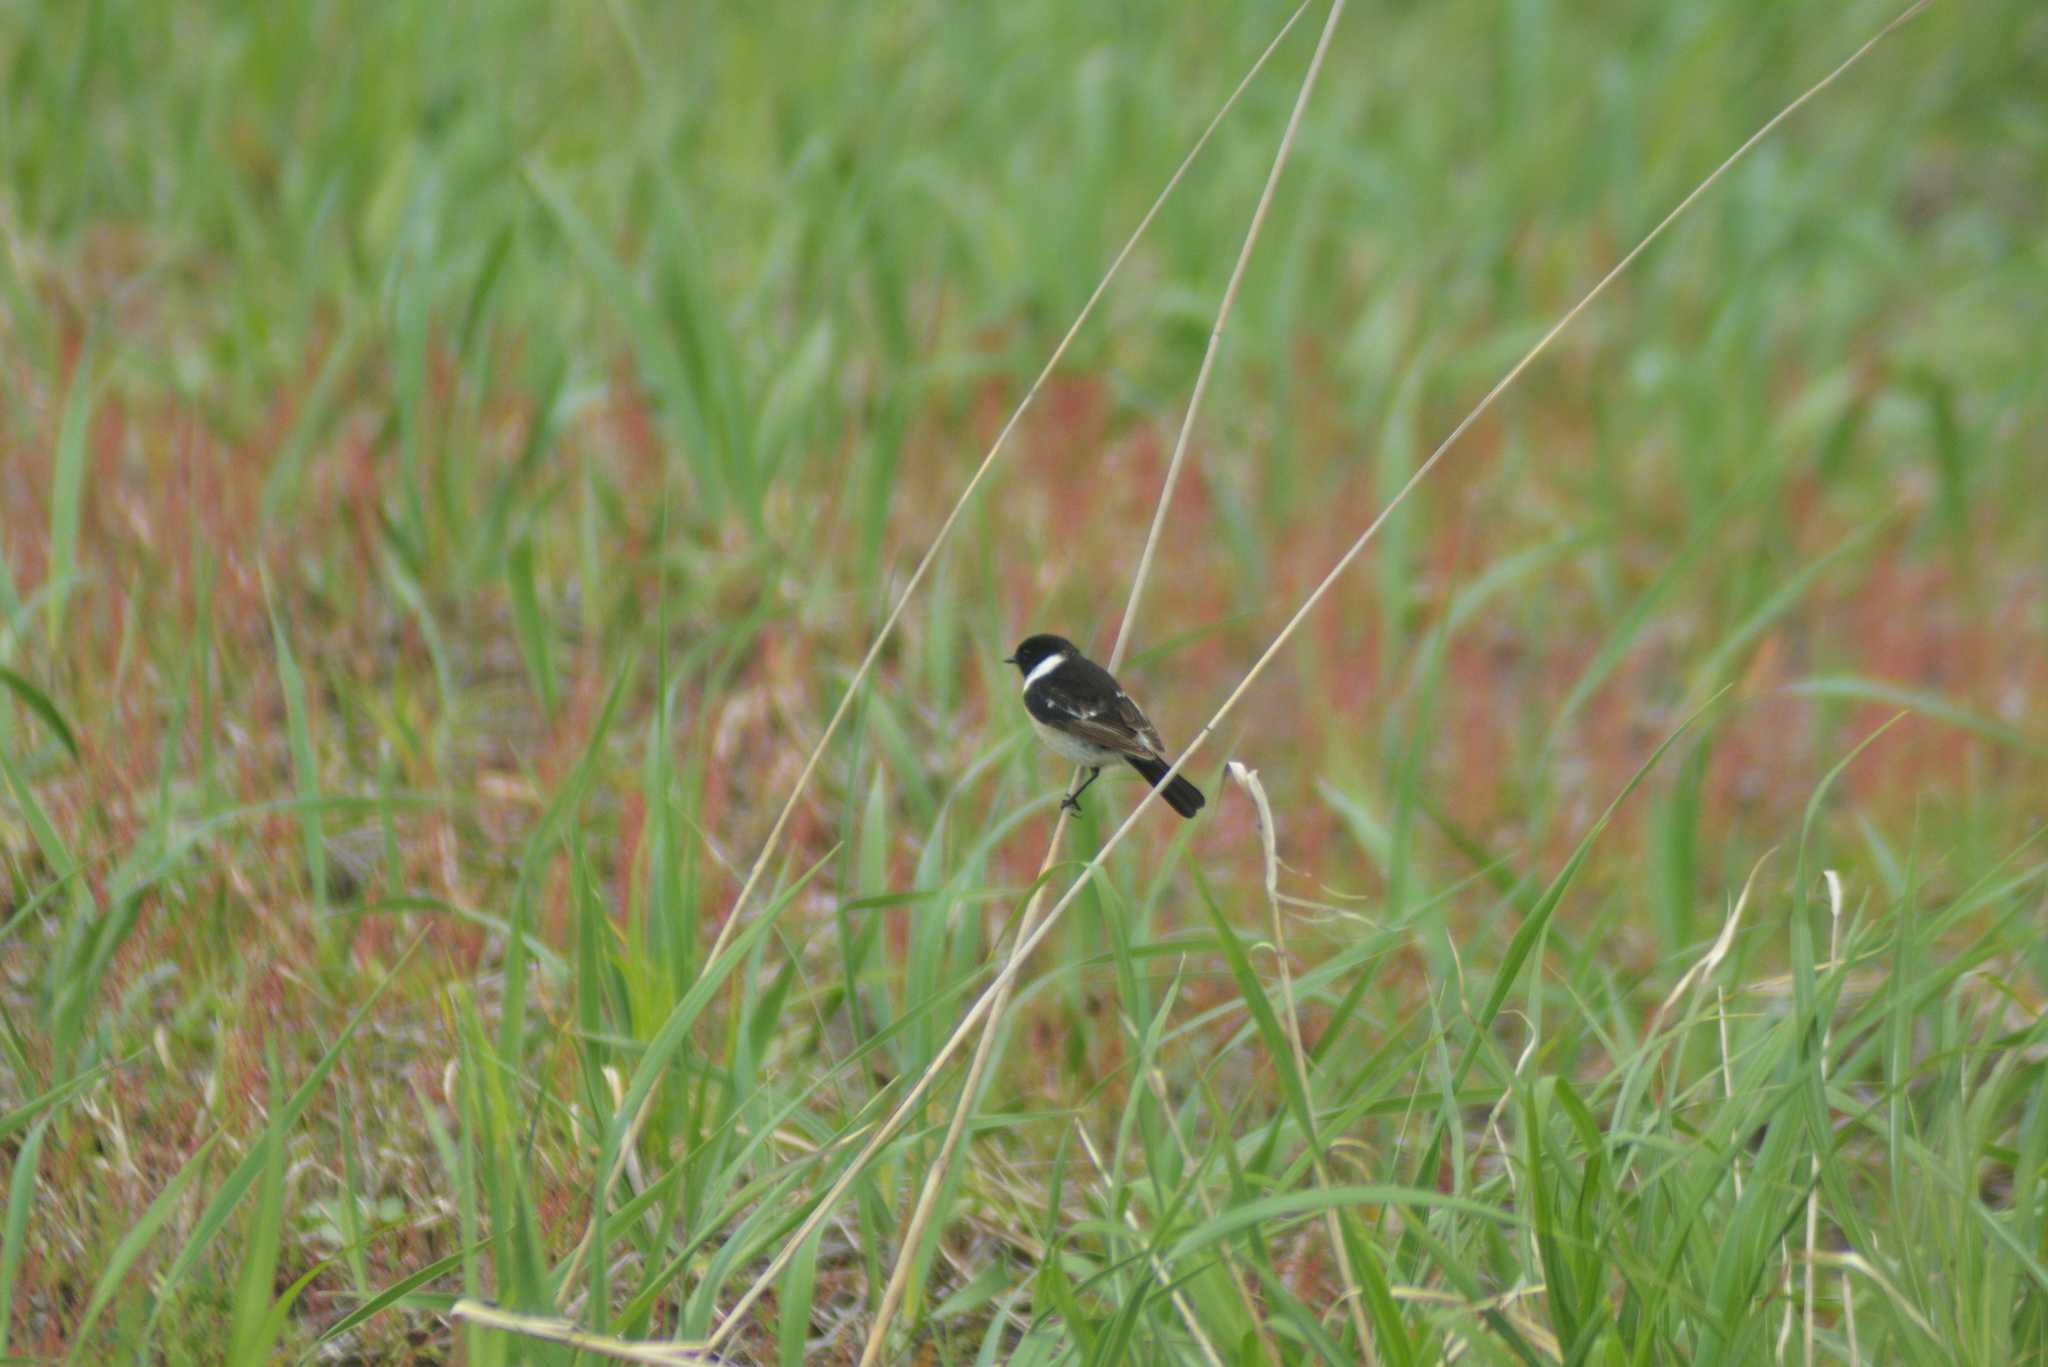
column 454, row 460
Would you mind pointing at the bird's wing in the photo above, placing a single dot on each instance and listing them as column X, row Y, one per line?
column 1128, row 715
column 1107, row 718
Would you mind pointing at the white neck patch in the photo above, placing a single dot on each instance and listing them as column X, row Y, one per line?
column 1043, row 668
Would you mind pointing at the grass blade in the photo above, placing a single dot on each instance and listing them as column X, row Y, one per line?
column 21, row 1197
column 38, row 702
column 261, row 1239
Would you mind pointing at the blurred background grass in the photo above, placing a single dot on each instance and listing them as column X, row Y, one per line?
column 454, row 457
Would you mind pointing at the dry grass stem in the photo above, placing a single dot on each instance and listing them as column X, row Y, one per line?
column 1248, row 779
column 549, row 1329
column 1718, row 951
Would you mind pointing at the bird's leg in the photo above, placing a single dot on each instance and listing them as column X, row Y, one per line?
column 1072, row 801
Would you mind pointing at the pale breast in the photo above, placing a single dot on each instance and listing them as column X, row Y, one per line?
column 1072, row 747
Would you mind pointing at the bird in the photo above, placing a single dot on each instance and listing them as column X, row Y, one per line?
column 1082, row 713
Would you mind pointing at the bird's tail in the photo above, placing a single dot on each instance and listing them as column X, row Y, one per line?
column 1181, row 795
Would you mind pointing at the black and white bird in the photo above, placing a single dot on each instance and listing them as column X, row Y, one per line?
column 1082, row 713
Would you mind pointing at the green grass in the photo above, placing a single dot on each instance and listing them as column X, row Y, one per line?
column 456, row 456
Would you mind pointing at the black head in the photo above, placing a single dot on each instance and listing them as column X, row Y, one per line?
column 1039, row 648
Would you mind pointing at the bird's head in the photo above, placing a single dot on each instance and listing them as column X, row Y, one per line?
column 1035, row 650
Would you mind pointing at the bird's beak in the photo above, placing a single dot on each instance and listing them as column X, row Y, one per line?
column 1009, row 659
